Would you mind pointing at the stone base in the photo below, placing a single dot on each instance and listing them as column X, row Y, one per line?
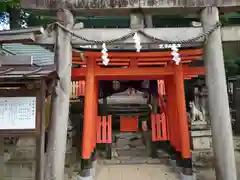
column 188, row 177
column 201, row 139
column 203, row 158
column 85, row 178
column 199, row 124
column 93, row 170
column 20, row 169
column 20, row 159
column 173, row 163
column 178, row 169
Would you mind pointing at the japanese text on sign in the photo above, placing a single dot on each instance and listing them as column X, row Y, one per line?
column 17, row 113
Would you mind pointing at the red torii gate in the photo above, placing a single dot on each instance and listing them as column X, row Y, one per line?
column 152, row 65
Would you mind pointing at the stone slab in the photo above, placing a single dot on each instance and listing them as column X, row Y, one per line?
column 21, row 169
column 188, row 177
column 201, row 143
column 122, row 143
column 138, row 172
column 26, row 153
column 172, row 163
column 200, row 133
column 178, row 169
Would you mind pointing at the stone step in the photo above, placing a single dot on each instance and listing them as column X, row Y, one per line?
column 19, row 169
column 26, row 142
column 135, row 160
column 18, row 178
column 200, row 133
column 27, row 153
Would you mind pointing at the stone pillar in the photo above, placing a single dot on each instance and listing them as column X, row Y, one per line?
column 148, row 21
column 136, row 20
column 218, row 98
column 60, row 101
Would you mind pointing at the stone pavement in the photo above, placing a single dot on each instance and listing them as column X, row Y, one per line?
column 20, row 165
column 135, row 172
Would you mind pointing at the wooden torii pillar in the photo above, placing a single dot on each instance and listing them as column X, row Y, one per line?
column 185, row 153
column 172, row 123
column 177, row 122
column 89, row 122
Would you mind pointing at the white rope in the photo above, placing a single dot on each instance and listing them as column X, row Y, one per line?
column 105, row 55
column 175, row 54
column 137, row 42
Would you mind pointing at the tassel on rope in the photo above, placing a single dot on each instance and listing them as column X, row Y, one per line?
column 137, row 42
column 105, row 55
column 175, row 54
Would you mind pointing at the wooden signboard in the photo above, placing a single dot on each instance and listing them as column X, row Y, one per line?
column 19, row 112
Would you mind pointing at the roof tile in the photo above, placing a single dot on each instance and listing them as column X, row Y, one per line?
column 40, row 55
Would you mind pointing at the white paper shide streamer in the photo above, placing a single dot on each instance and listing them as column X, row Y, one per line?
column 175, row 54
column 105, row 55
column 137, row 42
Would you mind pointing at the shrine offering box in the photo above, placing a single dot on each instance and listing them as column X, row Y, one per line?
column 20, row 112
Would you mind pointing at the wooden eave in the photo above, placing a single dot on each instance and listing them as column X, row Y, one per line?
column 21, row 73
column 20, row 35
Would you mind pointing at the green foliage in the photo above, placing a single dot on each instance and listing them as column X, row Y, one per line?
column 5, row 4
column 232, row 68
column 232, row 61
column 231, row 57
column 33, row 20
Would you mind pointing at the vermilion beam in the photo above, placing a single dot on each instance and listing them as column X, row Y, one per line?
column 143, row 59
column 136, row 73
column 132, row 73
column 158, row 54
column 78, row 73
column 193, row 70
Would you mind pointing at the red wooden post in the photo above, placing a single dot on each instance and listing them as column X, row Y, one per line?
column 173, row 111
column 167, row 110
column 96, row 115
column 170, row 119
column 104, row 129
column 89, row 110
column 182, row 119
